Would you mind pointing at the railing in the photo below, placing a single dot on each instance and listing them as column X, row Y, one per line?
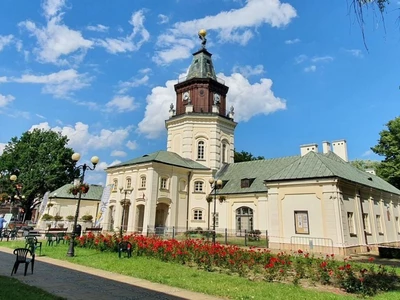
column 184, row 78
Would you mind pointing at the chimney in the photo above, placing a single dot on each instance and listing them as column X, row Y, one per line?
column 304, row 149
column 326, row 147
column 340, row 149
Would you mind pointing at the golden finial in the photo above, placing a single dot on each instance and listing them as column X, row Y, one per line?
column 203, row 32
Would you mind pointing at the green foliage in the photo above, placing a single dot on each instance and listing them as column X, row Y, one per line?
column 47, row 217
column 245, row 156
column 87, row 218
column 42, row 162
column 365, row 164
column 389, row 147
column 70, row 218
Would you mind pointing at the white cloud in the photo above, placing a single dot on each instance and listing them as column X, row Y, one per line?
column 2, row 147
column 248, row 100
column 301, row 58
column 5, row 40
column 234, row 26
column 134, row 82
column 81, row 140
column 97, row 28
column 291, row 42
column 367, row 153
column 132, row 145
column 61, row 84
column 311, row 68
column 247, row 71
column 6, row 100
column 163, row 19
column 3, row 79
column 355, row 52
column 55, row 41
column 121, row 103
column 127, row 44
column 118, row 153
column 326, row 58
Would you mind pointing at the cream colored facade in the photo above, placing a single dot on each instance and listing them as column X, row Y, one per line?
column 315, row 201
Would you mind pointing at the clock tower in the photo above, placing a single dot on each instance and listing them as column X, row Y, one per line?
column 199, row 126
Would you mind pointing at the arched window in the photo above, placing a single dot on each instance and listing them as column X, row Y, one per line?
column 223, row 153
column 244, row 220
column 198, row 186
column 143, row 182
column 115, row 186
column 128, row 183
column 182, row 185
column 200, row 150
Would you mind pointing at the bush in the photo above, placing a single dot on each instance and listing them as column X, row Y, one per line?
column 70, row 218
column 58, row 218
column 47, row 217
column 87, row 218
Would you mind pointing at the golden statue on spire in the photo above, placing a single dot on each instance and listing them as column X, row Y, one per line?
column 202, row 36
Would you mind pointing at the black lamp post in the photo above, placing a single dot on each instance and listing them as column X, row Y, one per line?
column 75, row 157
column 125, row 203
column 215, row 185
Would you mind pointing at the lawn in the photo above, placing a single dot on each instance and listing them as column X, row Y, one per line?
column 190, row 278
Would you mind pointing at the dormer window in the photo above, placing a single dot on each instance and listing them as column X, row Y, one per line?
column 246, row 182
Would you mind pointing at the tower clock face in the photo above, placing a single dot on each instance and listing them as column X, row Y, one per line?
column 186, row 96
column 202, row 93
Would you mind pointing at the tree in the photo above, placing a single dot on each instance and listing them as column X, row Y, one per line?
column 389, row 147
column 245, row 156
column 42, row 163
column 365, row 164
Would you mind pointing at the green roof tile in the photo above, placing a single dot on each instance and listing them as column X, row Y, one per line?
column 165, row 157
column 95, row 192
column 310, row 166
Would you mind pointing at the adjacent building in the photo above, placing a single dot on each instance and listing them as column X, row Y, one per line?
column 316, row 200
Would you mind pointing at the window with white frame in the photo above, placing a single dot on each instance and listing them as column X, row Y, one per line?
column 216, row 219
column 379, row 224
column 367, row 225
column 128, row 183
column 351, row 224
column 198, row 186
column 163, row 183
column 115, row 186
column 143, row 182
column 200, row 150
column 197, row 214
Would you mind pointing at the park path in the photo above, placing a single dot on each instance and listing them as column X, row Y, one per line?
column 76, row 282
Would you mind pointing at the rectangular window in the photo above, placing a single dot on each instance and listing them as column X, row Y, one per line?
column 366, row 223
column 115, row 186
column 379, row 224
column 198, row 215
column 397, row 225
column 351, row 224
column 301, row 222
column 198, row 186
column 216, row 219
column 128, row 183
column 163, row 184
column 143, row 182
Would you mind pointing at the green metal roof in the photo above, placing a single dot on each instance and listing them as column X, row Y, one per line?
column 95, row 192
column 310, row 166
column 202, row 66
column 256, row 169
column 165, row 157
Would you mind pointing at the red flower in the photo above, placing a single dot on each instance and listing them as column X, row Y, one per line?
column 323, row 264
column 299, row 251
column 371, row 259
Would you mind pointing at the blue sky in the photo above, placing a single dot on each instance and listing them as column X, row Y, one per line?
column 102, row 72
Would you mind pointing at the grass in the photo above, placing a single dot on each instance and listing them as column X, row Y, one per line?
column 214, row 283
column 12, row 289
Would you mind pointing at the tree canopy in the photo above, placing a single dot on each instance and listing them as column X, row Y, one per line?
column 365, row 164
column 42, row 162
column 389, row 147
column 245, row 156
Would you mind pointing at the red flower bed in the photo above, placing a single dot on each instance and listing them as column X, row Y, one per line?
column 254, row 263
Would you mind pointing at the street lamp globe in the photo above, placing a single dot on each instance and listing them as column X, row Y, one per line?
column 219, row 182
column 211, row 180
column 76, row 156
column 13, row 177
column 95, row 160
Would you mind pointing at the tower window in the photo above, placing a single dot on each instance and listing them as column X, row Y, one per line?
column 224, row 153
column 200, row 150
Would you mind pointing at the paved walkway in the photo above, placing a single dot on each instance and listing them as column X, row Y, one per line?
column 75, row 282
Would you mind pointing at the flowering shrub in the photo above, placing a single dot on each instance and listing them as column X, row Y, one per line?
column 254, row 263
